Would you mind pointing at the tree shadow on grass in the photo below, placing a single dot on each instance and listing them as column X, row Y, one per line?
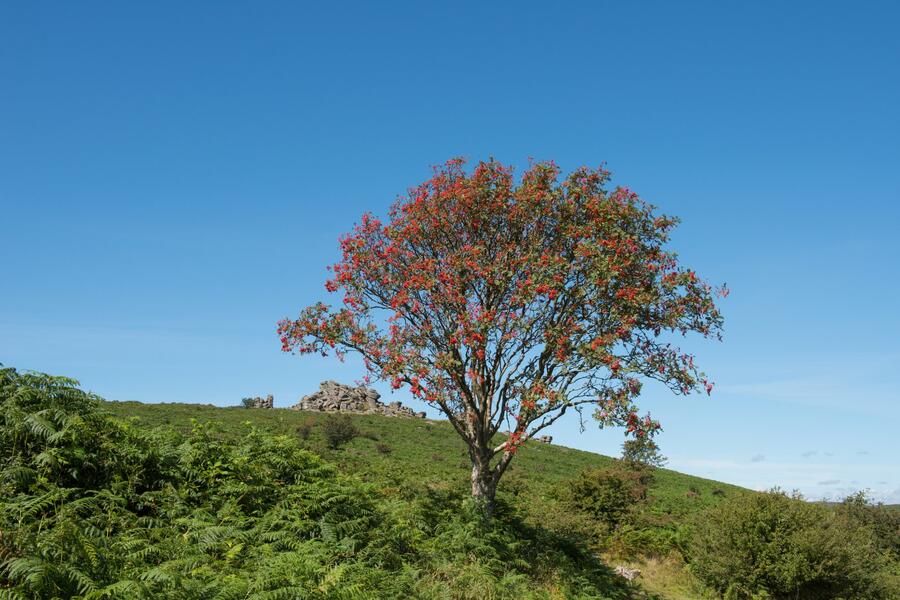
column 510, row 548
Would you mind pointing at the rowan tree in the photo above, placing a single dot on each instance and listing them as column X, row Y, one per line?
column 507, row 302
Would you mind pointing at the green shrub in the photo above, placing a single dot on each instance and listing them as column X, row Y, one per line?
column 641, row 539
column 884, row 520
column 338, row 430
column 777, row 546
column 98, row 507
column 90, row 507
column 644, row 451
column 608, row 495
column 304, row 429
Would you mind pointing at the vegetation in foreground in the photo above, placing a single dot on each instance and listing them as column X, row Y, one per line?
column 125, row 500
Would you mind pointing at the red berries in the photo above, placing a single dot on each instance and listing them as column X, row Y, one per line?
column 486, row 294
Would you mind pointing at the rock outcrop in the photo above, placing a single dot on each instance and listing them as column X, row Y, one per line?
column 267, row 402
column 337, row 397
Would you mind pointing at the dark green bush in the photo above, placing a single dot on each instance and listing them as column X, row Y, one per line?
column 884, row 520
column 642, row 451
column 338, row 430
column 777, row 546
column 608, row 495
column 641, row 539
column 609, row 507
column 304, row 429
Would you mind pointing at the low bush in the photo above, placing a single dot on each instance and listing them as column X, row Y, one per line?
column 641, row 540
column 884, row 520
column 338, row 430
column 608, row 495
column 304, row 429
column 642, row 451
column 777, row 546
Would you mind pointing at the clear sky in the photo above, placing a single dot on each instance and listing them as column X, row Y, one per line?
column 174, row 178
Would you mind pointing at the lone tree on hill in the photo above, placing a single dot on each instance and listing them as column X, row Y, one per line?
column 507, row 303
column 642, row 452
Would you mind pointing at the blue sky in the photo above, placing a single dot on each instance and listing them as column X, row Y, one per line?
column 174, row 177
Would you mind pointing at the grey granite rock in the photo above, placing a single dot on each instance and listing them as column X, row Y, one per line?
column 267, row 402
column 337, row 397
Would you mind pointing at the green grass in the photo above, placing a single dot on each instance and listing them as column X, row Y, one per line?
column 104, row 500
column 419, row 457
column 429, row 453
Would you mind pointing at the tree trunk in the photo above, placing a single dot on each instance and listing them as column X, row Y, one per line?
column 484, row 486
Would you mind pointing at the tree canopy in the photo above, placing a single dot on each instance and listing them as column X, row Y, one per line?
column 507, row 302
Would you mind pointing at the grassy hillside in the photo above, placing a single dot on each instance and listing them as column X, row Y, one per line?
column 428, row 453
column 405, row 459
column 103, row 500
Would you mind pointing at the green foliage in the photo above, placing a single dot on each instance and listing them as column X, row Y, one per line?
column 338, row 430
column 642, row 451
column 304, row 429
column 418, row 494
column 608, row 495
column 424, row 542
column 92, row 506
column 537, row 483
column 248, row 402
column 778, row 546
column 542, row 468
column 884, row 520
column 624, row 522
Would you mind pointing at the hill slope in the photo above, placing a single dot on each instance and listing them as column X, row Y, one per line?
column 408, row 459
column 104, row 500
column 429, row 453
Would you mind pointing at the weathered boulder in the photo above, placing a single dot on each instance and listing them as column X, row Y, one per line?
column 267, row 402
column 337, row 397
column 627, row 573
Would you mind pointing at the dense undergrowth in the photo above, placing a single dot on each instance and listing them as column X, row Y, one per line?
column 776, row 546
column 96, row 507
column 123, row 500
